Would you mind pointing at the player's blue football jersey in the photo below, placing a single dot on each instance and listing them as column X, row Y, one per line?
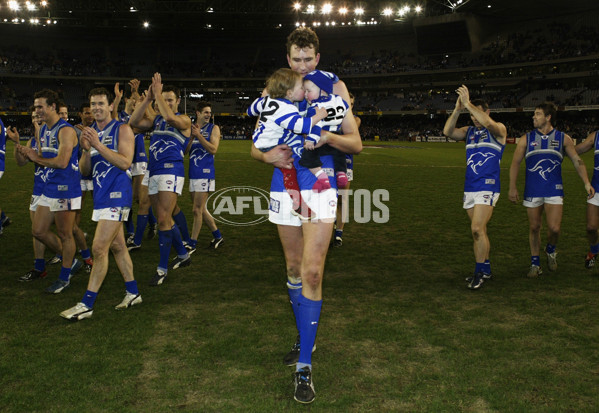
column 483, row 156
column 544, row 156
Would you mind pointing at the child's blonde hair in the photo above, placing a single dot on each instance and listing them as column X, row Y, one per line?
column 280, row 82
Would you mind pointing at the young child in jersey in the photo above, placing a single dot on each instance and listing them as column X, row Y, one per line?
column 319, row 92
column 280, row 122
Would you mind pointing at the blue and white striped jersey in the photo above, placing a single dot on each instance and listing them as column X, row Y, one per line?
column 112, row 185
column 60, row 183
column 167, row 146
column 544, row 157
column 201, row 162
column 336, row 108
column 279, row 123
column 483, row 156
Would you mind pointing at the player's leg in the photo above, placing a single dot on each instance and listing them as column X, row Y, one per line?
column 553, row 214
column 123, row 261
column 181, row 221
column 196, row 201
column 217, row 237
column 342, row 214
column 293, row 245
column 317, row 237
column 592, row 234
column 81, row 244
column 142, row 213
column 535, row 216
column 480, row 215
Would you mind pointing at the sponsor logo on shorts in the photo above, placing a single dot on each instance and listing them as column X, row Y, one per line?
column 169, row 182
column 62, row 201
column 239, row 205
column 114, row 209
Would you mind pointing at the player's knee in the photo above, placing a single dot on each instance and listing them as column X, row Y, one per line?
column 99, row 251
column 312, row 278
column 554, row 229
column 477, row 231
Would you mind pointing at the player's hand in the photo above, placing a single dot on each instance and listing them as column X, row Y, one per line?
column 89, row 138
column 117, row 91
column 464, row 95
column 309, row 145
column 590, row 190
column 134, row 85
column 12, row 134
column 157, row 84
column 79, row 126
column 281, row 156
column 195, row 130
column 458, row 104
column 513, row 196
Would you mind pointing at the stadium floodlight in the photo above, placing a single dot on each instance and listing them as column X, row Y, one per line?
column 401, row 12
column 297, row 6
column 48, row 21
column 30, row 6
column 14, row 5
column 43, row 3
column 406, row 9
column 146, row 24
column 418, row 9
column 343, row 10
column 359, row 11
column 333, row 23
column 310, row 9
column 387, row 11
column 297, row 24
column 327, row 8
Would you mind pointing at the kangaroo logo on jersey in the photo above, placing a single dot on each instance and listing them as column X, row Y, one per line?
column 198, row 155
column 478, row 159
column 99, row 176
column 544, row 167
column 166, row 146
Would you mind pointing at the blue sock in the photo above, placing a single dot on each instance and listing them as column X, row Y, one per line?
column 89, row 298
column 487, row 267
column 142, row 221
column 535, row 260
column 479, row 267
column 65, row 273
column 339, row 233
column 182, row 224
column 129, row 224
column 40, row 264
column 595, row 249
column 85, row 254
column 309, row 312
column 216, row 234
column 165, row 241
column 131, row 287
column 178, row 242
column 550, row 249
column 294, row 290
column 2, row 216
column 151, row 217
column 193, row 242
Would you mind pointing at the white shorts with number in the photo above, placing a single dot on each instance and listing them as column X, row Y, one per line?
column 165, row 183
column 139, row 168
column 202, row 185
column 87, row 185
column 35, row 200
column 60, row 204
column 111, row 214
column 533, row 202
column 480, row 198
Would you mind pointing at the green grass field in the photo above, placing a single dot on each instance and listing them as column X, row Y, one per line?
column 399, row 329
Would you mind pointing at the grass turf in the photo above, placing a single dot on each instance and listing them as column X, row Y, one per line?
column 399, row 329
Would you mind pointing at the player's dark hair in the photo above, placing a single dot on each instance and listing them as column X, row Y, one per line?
column 203, row 104
column 280, row 82
column 171, row 88
column 303, row 37
column 481, row 103
column 50, row 96
column 549, row 109
column 99, row 91
column 85, row 105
